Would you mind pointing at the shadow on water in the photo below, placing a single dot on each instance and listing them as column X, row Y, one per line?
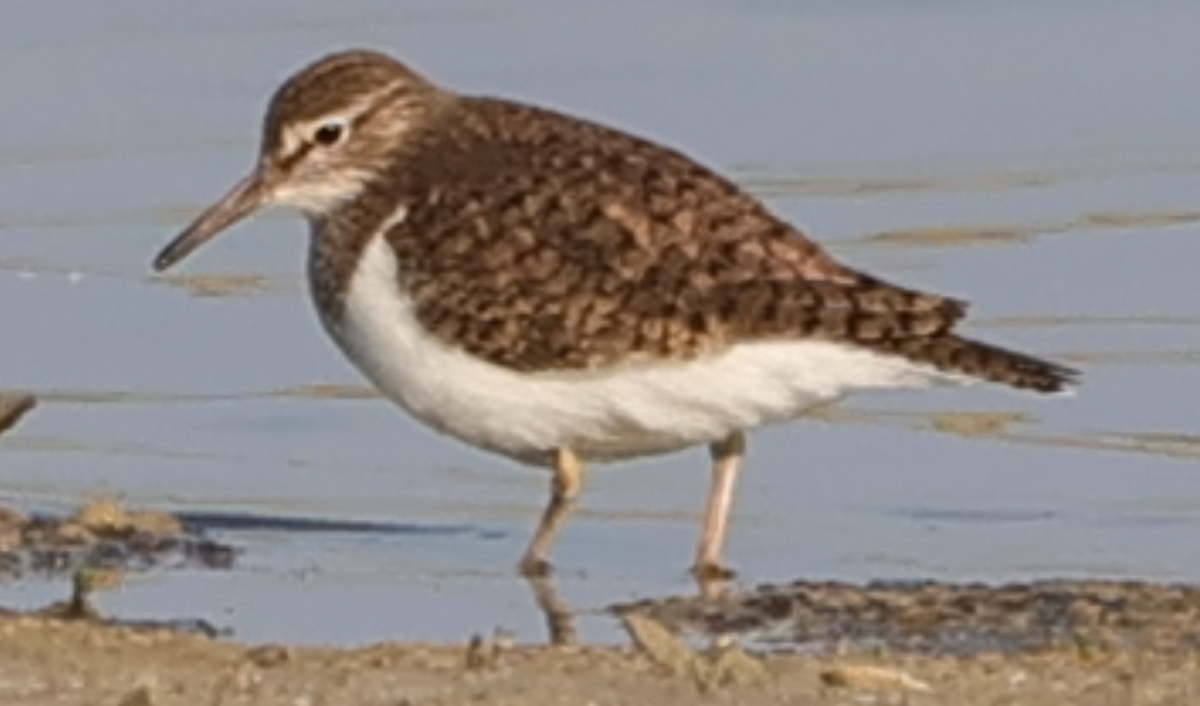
column 249, row 522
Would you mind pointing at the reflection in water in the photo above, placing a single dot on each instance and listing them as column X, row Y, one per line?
column 79, row 607
column 560, row 618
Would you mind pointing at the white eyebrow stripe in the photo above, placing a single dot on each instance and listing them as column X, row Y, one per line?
column 294, row 136
column 350, row 113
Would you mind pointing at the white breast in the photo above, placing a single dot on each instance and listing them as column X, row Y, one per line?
column 603, row 415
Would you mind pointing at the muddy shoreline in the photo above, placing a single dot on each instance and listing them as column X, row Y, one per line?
column 805, row 642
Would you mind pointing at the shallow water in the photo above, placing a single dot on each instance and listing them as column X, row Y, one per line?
column 1042, row 162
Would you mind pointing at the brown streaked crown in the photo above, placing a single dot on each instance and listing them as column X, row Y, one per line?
column 334, row 82
column 380, row 100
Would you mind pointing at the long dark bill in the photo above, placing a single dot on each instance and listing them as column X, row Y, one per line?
column 241, row 201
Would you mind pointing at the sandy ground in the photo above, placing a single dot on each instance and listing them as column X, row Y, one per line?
column 48, row 661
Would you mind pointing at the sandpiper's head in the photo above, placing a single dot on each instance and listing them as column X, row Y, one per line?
column 331, row 128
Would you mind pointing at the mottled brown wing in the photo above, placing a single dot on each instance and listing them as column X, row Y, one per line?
column 579, row 247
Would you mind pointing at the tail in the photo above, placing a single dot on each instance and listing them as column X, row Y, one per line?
column 953, row 354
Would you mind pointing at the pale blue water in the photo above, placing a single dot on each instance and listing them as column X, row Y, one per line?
column 122, row 121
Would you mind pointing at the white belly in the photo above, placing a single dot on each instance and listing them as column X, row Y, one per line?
column 602, row 415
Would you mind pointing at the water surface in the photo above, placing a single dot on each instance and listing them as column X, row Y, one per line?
column 1041, row 161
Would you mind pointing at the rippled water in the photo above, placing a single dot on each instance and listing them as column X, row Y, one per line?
column 1041, row 162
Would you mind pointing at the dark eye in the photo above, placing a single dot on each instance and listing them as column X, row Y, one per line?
column 329, row 134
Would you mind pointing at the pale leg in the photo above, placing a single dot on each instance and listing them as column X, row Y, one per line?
column 564, row 489
column 726, row 459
